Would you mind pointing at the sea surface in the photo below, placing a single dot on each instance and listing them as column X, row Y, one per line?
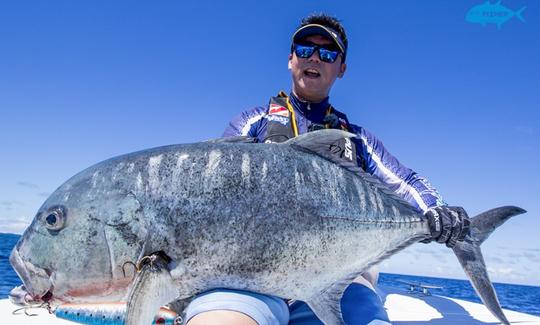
column 520, row 298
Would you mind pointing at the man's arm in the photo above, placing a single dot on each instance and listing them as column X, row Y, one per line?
column 405, row 182
column 246, row 123
column 447, row 224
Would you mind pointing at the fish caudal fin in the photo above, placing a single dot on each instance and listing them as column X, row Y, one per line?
column 518, row 14
column 470, row 256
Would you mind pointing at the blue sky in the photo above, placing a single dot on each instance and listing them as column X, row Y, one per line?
column 81, row 82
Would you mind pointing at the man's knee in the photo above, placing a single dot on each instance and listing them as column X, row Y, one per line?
column 221, row 317
column 227, row 306
column 369, row 278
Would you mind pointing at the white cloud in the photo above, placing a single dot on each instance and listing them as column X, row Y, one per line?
column 506, row 265
column 27, row 184
column 14, row 225
column 10, row 204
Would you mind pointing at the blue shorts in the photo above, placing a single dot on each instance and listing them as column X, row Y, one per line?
column 359, row 305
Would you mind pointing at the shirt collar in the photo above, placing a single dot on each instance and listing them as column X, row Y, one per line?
column 313, row 110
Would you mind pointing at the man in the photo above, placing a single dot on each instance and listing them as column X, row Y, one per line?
column 317, row 59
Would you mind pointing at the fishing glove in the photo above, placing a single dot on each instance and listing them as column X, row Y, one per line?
column 447, row 225
column 332, row 121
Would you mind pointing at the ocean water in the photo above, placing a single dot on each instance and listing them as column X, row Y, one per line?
column 8, row 277
column 514, row 297
column 525, row 299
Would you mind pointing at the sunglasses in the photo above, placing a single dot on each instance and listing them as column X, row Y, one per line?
column 306, row 51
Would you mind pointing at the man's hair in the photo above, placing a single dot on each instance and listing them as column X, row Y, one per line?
column 327, row 21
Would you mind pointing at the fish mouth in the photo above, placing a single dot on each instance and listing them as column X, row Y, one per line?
column 36, row 281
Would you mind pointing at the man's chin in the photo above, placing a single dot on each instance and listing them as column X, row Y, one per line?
column 310, row 91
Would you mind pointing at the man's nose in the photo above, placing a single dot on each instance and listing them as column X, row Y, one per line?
column 315, row 57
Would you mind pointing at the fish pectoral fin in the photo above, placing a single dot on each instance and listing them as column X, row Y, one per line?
column 327, row 304
column 152, row 288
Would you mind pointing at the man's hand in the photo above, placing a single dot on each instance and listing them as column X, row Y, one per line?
column 447, row 225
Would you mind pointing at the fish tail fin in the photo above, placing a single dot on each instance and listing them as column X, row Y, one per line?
column 518, row 14
column 470, row 256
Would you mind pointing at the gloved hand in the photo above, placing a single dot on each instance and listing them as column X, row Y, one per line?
column 332, row 121
column 447, row 225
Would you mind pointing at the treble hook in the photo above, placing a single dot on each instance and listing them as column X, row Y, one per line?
column 147, row 259
column 144, row 260
column 26, row 308
column 124, row 267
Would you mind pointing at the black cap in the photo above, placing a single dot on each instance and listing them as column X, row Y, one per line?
column 316, row 29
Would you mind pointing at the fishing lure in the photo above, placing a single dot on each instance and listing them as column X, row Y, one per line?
column 109, row 314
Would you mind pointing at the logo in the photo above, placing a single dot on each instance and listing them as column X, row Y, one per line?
column 276, row 109
column 348, row 149
column 436, row 220
column 492, row 13
column 278, row 118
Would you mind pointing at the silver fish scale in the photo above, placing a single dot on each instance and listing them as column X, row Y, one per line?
column 247, row 216
column 299, row 223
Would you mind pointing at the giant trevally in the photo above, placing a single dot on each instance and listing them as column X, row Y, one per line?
column 226, row 214
column 492, row 13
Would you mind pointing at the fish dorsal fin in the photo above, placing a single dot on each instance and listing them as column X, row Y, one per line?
column 324, row 136
column 234, row 139
column 321, row 142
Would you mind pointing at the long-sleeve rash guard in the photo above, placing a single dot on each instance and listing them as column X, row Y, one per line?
column 370, row 151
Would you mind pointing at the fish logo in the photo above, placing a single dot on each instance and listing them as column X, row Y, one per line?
column 492, row 13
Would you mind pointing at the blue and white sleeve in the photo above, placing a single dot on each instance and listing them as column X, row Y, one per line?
column 405, row 182
column 246, row 123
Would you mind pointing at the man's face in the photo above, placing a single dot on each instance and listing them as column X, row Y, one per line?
column 313, row 78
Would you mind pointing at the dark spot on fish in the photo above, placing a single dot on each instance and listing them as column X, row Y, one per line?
column 93, row 219
column 126, row 232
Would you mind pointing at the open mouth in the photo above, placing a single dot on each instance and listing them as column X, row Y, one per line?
column 312, row 73
column 20, row 296
column 36, row 280
column 47, row 297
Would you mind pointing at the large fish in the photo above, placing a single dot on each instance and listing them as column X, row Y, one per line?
column 292, row 220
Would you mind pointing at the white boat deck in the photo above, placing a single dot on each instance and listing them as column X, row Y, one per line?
column 403, row 308
column 406, row 308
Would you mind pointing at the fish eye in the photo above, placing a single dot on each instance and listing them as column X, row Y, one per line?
column 54, row 219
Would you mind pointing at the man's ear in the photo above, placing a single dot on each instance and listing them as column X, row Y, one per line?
column 289, row 65
column 342, row 70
